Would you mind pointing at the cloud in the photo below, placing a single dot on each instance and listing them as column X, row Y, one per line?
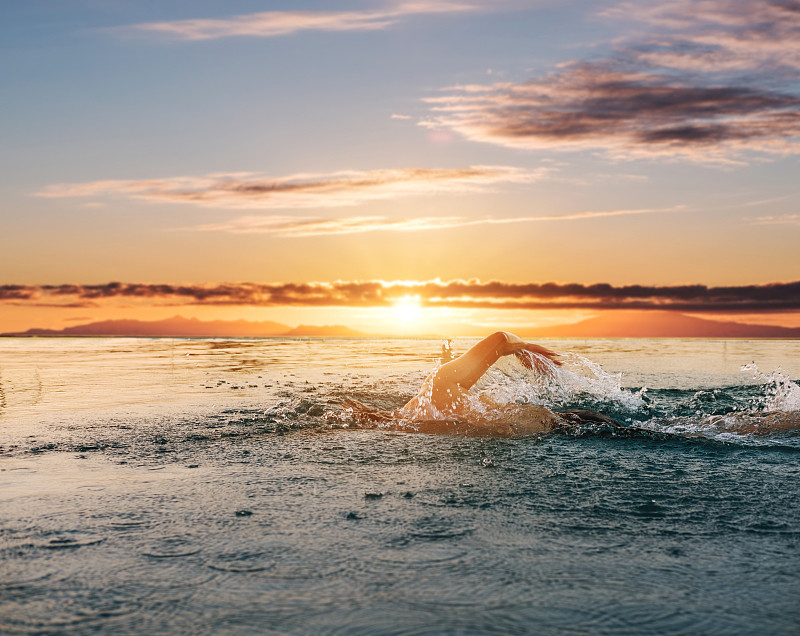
column 782, row 219
column 625, row 113
column 309, row 226
column 473, row 294
column 711, row 81
column 279, row 23
column 18, row 292
column 297, row 227
column 717, row 35
column 759, row 202
column 254, row 191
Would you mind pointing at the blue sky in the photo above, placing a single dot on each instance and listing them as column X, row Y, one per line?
column 524, row 142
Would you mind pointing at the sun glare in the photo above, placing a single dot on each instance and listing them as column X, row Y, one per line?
column 407, row 311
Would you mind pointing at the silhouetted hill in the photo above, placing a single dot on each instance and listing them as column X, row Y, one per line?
column 176, row 326
column 617, row 324
column 659, row 324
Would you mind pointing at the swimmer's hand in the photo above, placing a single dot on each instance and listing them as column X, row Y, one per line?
column 538, row 358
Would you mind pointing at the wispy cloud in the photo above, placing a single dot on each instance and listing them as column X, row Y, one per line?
column 305, row 226
column 713, row 80
column 717, row 35
column 433, row 293
column 278, row 23
column 780, row 219
column 308, row 226
column 759, row 202
column 255, row 191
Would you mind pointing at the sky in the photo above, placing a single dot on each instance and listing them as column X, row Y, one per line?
column 407, row 166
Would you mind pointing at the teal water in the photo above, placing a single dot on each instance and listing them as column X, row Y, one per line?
column 218, row 486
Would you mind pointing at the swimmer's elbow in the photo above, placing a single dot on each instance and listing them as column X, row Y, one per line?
column 502, row 337
column 506, row 342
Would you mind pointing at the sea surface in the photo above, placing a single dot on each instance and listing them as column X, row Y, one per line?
column 214, row 486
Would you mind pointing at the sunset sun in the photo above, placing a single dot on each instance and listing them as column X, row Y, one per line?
column 407, row 312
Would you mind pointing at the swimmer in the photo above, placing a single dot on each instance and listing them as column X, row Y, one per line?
column 444, row 392
column 444, row 404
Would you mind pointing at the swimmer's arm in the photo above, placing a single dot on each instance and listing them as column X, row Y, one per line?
column 467, row 369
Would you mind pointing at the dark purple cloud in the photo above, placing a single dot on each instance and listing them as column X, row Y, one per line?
column 17, row 292
column 707, row 80
column 626, row 113
column 456, row 293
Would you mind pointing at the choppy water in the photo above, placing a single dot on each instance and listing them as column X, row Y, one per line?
column 217, row 486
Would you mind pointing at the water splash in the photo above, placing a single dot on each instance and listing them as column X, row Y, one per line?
column 772, row 411
column 578, row 381
column 780, row 392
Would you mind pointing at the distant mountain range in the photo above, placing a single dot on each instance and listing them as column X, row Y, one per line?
column 180, row 327
column 659, row 324
column 618, row 324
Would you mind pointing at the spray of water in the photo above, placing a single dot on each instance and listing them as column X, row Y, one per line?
column 780, row 392
column 582, row 383
column 577, row 381
column 775, row 411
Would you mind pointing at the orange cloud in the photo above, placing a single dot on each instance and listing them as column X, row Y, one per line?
column 253, row 191
column 278, row 23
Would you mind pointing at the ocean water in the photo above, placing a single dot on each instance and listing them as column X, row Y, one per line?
column 211, row 486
